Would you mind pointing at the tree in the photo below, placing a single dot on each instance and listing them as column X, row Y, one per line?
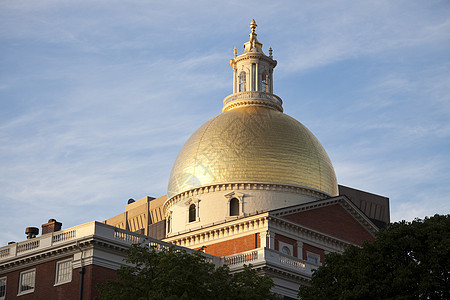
column 407, row 260
column 174, row 274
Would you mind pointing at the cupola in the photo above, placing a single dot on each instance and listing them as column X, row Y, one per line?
column 252, row 76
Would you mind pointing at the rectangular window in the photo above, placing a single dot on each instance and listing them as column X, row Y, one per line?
column 26, row 283
column 2, row 288
column 63, row 271
column 313, row 258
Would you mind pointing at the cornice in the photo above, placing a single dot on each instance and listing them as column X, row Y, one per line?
column 43, row 256
column 54, row 253
column 254, row 55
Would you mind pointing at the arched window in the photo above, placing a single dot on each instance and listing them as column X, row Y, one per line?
column 242, row 81
column 169, row 223
column 285, row 250
column 265, row 82
column 192, row 213
column 234, row 207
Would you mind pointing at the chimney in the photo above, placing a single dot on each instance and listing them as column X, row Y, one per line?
column 31, row 232
column 51, row 226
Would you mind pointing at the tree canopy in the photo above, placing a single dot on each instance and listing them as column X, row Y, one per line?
column 407, row 260
column 174, row 274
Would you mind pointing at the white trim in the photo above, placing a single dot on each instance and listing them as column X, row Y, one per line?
column 57, row 271
column 21, row 275
column 169, row 222
column 196, row 203
column 238, row 196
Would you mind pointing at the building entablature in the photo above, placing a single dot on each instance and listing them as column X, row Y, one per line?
column 262, row 223
column 221, row 230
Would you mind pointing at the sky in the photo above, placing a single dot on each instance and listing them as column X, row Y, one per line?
column 98, row 97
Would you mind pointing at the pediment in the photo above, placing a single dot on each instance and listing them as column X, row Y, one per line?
column 337, row 217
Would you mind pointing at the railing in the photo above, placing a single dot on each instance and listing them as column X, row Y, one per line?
column 4, row 252
column 271, row 257
column 127, row 236
column 63, row 236
column 28, row 246
column 252, row 95
column 260, row 98
column 293, row 262
column 47, row 241
column 90, row 230
column 117, row 236
column 241, row 258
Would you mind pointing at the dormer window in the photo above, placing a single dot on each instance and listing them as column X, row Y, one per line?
column 242, row 81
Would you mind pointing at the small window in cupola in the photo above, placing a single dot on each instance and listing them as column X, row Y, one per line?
column 242, row 81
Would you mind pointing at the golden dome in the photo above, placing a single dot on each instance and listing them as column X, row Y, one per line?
column 252, row 140
column 252, row 144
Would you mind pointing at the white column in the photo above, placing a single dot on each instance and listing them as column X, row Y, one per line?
column 234, row 80
column 257, row 77
column 267, row 240
column 271, row 82
column 300, row 249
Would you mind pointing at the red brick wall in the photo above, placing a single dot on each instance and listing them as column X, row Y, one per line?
column 93, row 276
column 233, row 246
column 45, row 280
column 285, row 239
column 333, row 220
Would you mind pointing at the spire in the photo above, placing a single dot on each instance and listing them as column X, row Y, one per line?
column 253, row 45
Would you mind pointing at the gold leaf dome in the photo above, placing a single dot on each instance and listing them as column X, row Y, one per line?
column 252, row 144
column 252, row 140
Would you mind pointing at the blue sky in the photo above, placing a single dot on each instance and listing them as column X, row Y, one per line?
column 98, row 97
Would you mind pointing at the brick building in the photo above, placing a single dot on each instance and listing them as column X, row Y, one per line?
column 252, row 185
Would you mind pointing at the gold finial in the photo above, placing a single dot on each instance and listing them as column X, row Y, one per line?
column 253, row 45
column 270, row 51
column 253, row 25
column 235, row 52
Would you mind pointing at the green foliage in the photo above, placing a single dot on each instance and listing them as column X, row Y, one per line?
column 408, row 260
column 174, row 274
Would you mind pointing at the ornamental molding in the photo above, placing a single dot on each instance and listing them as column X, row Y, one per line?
column 242, row 186
column 234, row 194
column 258, row 98
column 46, row 255
column 257, row 56
column 252, row 102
